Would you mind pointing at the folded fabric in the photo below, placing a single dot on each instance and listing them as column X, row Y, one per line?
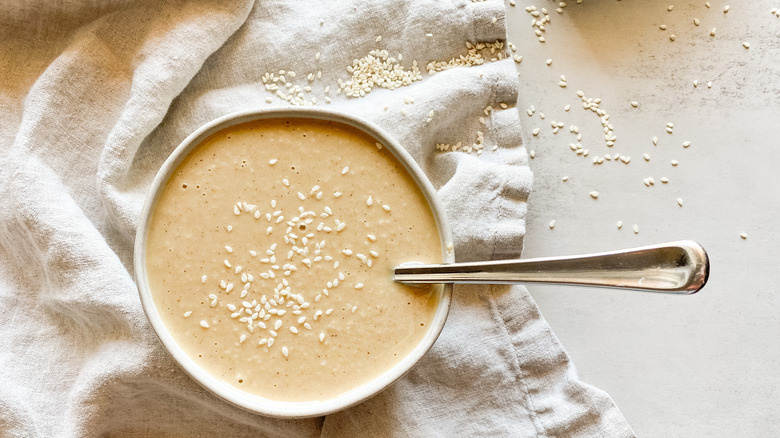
column 94, row 97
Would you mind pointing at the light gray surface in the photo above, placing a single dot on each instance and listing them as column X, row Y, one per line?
column 702, row 365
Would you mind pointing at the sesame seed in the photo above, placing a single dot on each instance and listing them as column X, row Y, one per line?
column 187, row 313
column 636, row 229
column 680, row 202
column 203, row 279
column 675, row 162
column 635, row 104
column 271, row 341
column 619, row 224
column 726, row 9
column 594, row 194
column 386, row 207
column 565, row 178
column 359, row 286
column 370, row 201
column 272, row 161
column 549, row 61
column 241, row 339
column 746, row 45
column 294, row 330
column 285, row 352
column 371, row 237
column 743, row 236
column 552, row 224
column 204, row 324
column 322, row 336
column 354, row 309
column 345, row 170
column 665, row 180
column 227, row 263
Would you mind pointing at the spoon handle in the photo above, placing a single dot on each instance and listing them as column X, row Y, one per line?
column 680, row 267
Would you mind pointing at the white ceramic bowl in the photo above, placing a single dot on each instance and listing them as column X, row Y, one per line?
column 230, row 393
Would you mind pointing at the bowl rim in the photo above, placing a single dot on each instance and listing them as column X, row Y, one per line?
column 227, row 392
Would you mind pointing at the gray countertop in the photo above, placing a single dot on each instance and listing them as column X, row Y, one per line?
column 701, row 365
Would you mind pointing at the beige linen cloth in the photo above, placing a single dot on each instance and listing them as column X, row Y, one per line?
column 95, row 95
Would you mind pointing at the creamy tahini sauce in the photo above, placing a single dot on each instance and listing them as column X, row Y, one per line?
column 201, row 232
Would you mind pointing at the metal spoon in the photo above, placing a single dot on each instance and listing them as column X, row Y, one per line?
column 676, row 267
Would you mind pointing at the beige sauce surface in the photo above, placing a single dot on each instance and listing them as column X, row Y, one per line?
column 256, row 211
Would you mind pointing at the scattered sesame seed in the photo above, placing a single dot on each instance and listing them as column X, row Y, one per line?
column 746, row 45
column 619, row 225
column 634, row 104
column 285, row 352
column 552, row 224
column 359, row 286
column 646, row 157
column 680, row 202
column 675, row 162
column 743, row 236
column 536, row 131
column 565, row 178
column 322, row 336
column 345, row 170
column 594, row 194
column 726, row 9
column 636, row 229
column 227, row 263
column 549, row 61
column 686, row 144
column 187, row 313
column 203, row 279
column 371, row 237
column 370, row 201
column 273, row 161
column 204, row 324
